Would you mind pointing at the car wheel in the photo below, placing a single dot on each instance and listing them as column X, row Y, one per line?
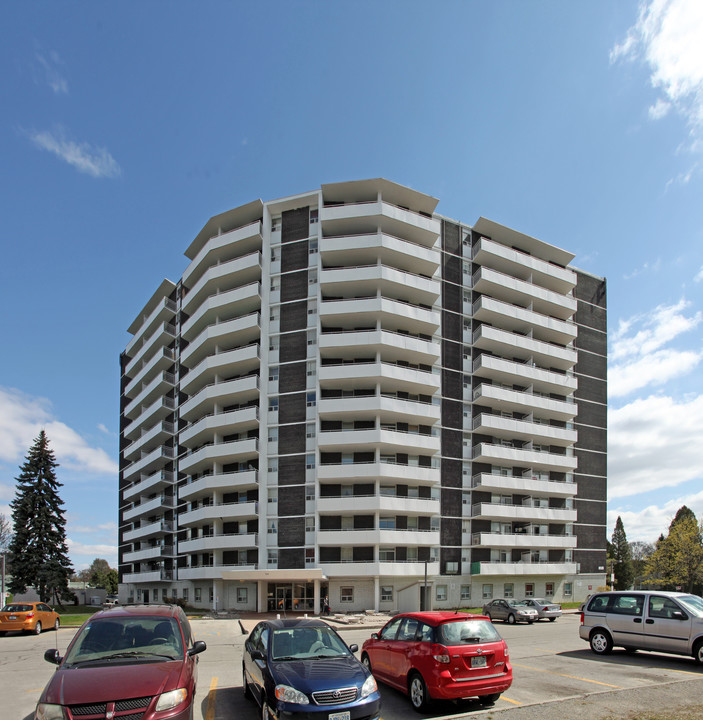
column 552, row 619
column 698, row 652
column 37, row 628
column 630, row 650
column 245, row 685
column 57, row 624
column 366, row 662
column 489, row 699
column 601, row 642
column 419, row 697
column 265, row 714
column 511, row 619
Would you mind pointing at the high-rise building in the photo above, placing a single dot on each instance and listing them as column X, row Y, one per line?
column 349, row 395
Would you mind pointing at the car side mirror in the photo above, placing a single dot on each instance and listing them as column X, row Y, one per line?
column 257, row 655
column 52, row 656
column 198, row 647
column 354, row 648
column 374, row 636
column 679, row 615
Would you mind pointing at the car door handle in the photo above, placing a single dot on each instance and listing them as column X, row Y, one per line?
column 637, row 620
column 649, row 621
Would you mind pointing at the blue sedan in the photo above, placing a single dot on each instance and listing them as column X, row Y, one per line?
column 303, row 668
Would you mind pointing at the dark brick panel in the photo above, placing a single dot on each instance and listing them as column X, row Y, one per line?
column 451, row 237
column 291, row 558
column 291, row 530
column 591, row 537
column 592, row 389
column 450, row 531
column 294, row 316
column 291, row 471
column 291, row 439
column 291, row 408
column 591, row 316
column 292, row 377
column 294, row 286
column 451, row 443
column 452, row 299
column 291, row 500
column 593, row 438
column 295, row 224
column 452, row 326
column 591, row 488
column 591, row 340
column 592, row 414
column 591, row 512
column 294, row 346
column 452, row 357
column 592, row 365
column 450, row 503
column 294, row 256
column 590, row 561
column 590, row 289
column 452, row 414
column 590, row 463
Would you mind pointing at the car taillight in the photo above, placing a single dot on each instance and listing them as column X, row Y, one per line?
column 581, row 618
column 440, row 653
column 29, row 615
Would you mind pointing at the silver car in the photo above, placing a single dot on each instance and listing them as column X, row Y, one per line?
column 545, row 609
column 509, row 610
column 670, row 622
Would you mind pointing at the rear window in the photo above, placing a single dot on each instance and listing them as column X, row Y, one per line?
column 17, row 608
column 467, row 632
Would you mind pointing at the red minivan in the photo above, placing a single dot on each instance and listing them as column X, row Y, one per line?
column 440, row 655
column 128, row 661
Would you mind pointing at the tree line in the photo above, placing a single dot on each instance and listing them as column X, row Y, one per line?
column 673, row 562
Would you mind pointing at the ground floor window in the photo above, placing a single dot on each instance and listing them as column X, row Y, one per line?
column 508, row 590
column 549, row 590
column 198, row 594
column 567, row 589
column 242, row 595
column 346, row 594
column 466, row 592
column 386, row 593
column 441, row 593
column 529, row 589
column 487, row 591
column 185, row 593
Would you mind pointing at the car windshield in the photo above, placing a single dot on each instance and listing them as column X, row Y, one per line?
column 17, row 608
column 692, row 603
column 127, row 638
column 466, row 632
column 301, row 643
column 515, row 603
column 539, row 601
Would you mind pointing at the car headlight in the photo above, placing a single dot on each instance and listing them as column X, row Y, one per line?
column 369, row 686
column 169, row 700
column 286, row 693
column 46, row 711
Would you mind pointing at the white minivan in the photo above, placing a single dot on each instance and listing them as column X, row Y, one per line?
column 670, row 622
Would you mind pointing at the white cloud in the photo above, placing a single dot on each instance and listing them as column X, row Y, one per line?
column 659, row 110
column 652, row 369
column 88, row 159
column 646, row 267
column 54, row 78
column 653, row 442
column 83, row 554
column 23, row 416
column 699, row 275
column 667, row 36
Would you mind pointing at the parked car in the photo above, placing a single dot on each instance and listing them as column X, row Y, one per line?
column 670, row 622
column 29, row 617
column 509, row 610
column 303, row 667
column 440, row 655
column 136, row 659
column 545, row 609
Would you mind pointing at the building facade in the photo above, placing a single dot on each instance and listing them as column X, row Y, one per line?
column 349, row 395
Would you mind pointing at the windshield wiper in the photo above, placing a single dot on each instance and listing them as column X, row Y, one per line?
column 121, row 655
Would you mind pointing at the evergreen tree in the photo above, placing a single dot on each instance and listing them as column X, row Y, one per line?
column 39, row 556
column 622, row 559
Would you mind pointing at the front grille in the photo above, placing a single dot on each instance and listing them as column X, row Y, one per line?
column 335, row 697
column 123, row 709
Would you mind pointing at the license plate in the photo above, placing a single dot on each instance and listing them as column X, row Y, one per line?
column 478, row 661
column 12, row 617
column 340, row 715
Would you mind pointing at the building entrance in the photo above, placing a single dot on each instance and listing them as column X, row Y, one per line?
column 298, row 597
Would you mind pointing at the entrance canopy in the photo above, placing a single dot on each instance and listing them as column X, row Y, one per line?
column 300, row 575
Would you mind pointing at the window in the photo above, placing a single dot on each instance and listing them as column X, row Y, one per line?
column 529, row 589
column 312, row 337
column 185, row 594
column 310, row 523
column 271, row 527
column 273, row 495
column 346, row 594
column 314, row 216
column 274, row 313
column 312, row 307
column 272, row 558
column 275, row 284
column 274, row 342
column 310, row 430
column 312, row 276
column 311, row 399
column 309, row 556
column 386, row 523
column 451, row 568
column 309, row 492
column 466, row 592
column 549, row 589
column 311, row 369
column 567, row 589
column 508, row 590
column 211, row 593
column 312, row 246
column 273, row 404
column 309, row 462
column 273, row 465
column 487, row 591
column 386, row 593
column 441, row 593
column 386, row 554
column 197, row 593
column 273, row 435
column 276, row 223
column 273, row 373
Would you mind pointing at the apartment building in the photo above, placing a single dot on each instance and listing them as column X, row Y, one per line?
column 349, row 395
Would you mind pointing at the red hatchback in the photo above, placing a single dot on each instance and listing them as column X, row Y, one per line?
column 440, row 656
column 132, row 661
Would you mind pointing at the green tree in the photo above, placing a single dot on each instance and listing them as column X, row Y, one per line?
column 622, row 559
column 39, row 556
column 677, row 561
column 100, row 574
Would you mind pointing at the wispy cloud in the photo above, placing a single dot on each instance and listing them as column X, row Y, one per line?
column 23, row 416
column 644, row 268
column 667, row 37
column 699, row 275
column 86, row 158
column 51, row 64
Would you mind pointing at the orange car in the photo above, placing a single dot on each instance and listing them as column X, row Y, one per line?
column 30, row 617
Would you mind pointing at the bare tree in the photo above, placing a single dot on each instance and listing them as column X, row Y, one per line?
column 5, row 534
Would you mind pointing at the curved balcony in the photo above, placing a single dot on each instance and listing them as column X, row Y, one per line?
column 234, row 541
column 163, row 313
column 148, row 576
column 393, row 346
column 352, row 312
column 378, row 503
column 388, row 441
column 502, row 455
column 509, row 371
column 225, row 453
column 157, row 435
column 219, row 511
column 237, row 362
column 157, row 388
column 236, row 333
column 520, row 568
column 163, row 336
column 205, row 427
column 414, row 538
column 388, row 374
column 223, row 393
column 498, row 511
column 501, row 427
column 387, row 408
column 154, row 529
column 504, row 399
column 148, row 507
column 156, row 552
column 160, row 361
column 526, row 485
column 204, row 486
column 410, row 568
column 149, row 484
column 410, row 474
column 154, row 460
column 525, row 541
column 209, row 572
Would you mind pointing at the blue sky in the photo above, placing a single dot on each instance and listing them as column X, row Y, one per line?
column 125, row 126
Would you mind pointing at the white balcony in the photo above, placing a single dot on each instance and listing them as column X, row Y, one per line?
column 149, row 530
column 503, row 399
column 238, row 361
column 520, row 320
column 153, row 460
column 410, row 569
column 160, row 361
column 222, row 337
column 392, row 346
column 224, row 453
column 148, row 507
column 508, row 456
column 222, row 307
column 410, row 474
column 518, row 264
column 387, row 440
column 205, row 486
column 149, row 484
column 527, row 541
column 224, row 393
column 509, row 428
column 226, row 423
column 151, row 576
column 157, row 552
column 158, row 387
column 163, row 335
column 502, row 342
column 413, row 538
column 222, row 278
column 219, row 248
column 520, row 292
column 520, row 568
column 210, row 543
column 525, row 485
column 370, row 217
column 156, row 435
column 158, row 410
column 205, row 572
column 387, row 408
column 379, row 503
column 411, row 380
column 510, row 371
column 379, row 247
column 219, row 511
column 498, row 511
column 164, row 312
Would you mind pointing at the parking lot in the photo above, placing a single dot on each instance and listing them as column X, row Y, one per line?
column 550, row 664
